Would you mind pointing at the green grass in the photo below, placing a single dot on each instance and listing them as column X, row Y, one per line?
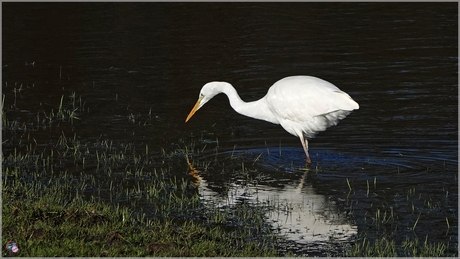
column 391, row 227
column 81, row 198
column 53, row 220
column 68, row 196
column 385, row 247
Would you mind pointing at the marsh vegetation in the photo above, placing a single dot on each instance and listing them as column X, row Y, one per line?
column 68, row 196
column 97, row 159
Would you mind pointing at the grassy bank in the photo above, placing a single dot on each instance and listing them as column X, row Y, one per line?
column 71, row 197
column 49, row 220
column 68, row 196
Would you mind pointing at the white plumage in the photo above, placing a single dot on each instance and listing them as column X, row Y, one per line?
column 302, row 105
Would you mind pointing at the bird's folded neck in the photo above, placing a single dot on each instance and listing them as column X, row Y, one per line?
column 256, row 109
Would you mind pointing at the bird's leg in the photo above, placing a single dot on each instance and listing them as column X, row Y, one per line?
column 305, row 147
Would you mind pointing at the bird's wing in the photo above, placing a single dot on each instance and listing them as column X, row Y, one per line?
column 302, row 98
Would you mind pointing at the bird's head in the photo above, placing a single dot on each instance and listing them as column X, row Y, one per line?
column 208, row 91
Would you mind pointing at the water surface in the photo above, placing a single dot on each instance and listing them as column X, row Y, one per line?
column 138, row 68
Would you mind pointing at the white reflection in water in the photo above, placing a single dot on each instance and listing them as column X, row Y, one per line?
column 300, row 214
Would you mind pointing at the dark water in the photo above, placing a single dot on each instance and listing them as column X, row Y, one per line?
column 148, row 61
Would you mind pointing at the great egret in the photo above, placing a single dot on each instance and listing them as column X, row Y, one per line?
column 303, row 105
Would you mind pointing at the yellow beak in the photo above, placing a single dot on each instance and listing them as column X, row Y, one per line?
column 195, row 108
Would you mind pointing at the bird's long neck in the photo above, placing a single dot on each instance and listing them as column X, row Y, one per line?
column 256, row 109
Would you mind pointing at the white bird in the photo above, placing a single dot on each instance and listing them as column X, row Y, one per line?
column 302, row 105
